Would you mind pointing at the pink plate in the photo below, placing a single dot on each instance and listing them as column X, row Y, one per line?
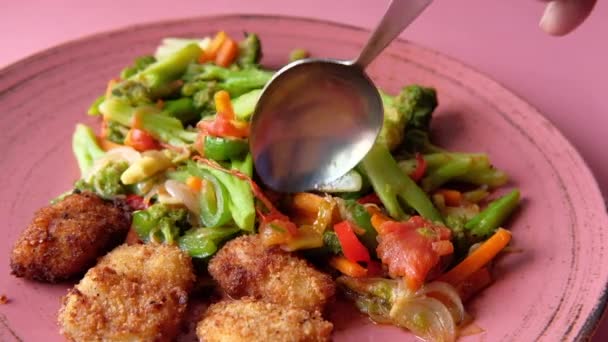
column 555, row 289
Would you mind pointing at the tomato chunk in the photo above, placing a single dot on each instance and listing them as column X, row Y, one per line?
column 409, row 249
column 141, row 140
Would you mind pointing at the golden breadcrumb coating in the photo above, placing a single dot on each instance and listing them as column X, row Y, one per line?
column 65, row 239
column 248, row 319
column 135, row 293
column 244, row 267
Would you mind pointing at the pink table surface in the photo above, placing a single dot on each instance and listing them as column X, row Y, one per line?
column 565, row 78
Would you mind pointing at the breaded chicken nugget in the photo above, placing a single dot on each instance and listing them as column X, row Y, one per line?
column 251, row 320
column 66, row 238
column 135, row 293
column 244, row 267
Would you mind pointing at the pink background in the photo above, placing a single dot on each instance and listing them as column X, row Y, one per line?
column 564, row 78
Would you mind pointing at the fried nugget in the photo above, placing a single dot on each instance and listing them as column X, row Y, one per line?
column 66, row 238
column 244, row 267
column 251, row 320
column 135, row 293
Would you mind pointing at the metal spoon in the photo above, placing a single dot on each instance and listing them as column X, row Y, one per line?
column 317, row 118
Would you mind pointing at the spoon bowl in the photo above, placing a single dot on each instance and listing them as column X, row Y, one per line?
column 316, row 119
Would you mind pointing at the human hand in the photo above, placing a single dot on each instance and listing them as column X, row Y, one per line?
column 563, row 16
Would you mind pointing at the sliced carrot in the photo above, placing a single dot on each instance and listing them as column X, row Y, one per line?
column 223, row 105
column 227, row 53
column 378, row 219
column 474, row 283
column 111, row 85
column 347, row 267
column 107, row 145
column 479, row 258
column 194, row 183
column 443, row 247
column 211, row 51
column 452, row 198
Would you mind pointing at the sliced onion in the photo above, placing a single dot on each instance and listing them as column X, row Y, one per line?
column 426, row 317
column 125, row 153
column 153, row 191
column 344, row 212
column 449, row 293
column 182, row 193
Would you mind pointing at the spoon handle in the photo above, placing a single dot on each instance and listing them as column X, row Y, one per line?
column 397, row 17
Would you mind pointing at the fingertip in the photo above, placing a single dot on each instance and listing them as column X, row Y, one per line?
column 562, row 16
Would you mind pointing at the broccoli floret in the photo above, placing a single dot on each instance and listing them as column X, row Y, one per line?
column 394, row 187
column 105, row 182
column 157, row 79
column 162, row 127
column 250, row 51
column 132, row 91
column 116, row 132
column 138, row 65
column 412, row 109
column 160, row 223
column 85, row 148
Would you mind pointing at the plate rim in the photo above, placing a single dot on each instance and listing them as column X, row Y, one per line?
column 591, row 323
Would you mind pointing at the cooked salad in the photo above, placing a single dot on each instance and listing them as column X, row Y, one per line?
column 168, row 188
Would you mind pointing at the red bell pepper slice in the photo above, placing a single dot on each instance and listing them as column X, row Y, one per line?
column 352, row 248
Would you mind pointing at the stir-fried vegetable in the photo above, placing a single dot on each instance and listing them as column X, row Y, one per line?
column 85, row 147
column 105, row 181
column 147, row 118
column 204, row 242
column 160, row 223
column 392, row 185
column 487, row 221
column 409, row 229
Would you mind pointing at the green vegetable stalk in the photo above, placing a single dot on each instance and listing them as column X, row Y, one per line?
column 392, row 185
column 244, row 105
column 163, row 127
column 159, row 76
column 486, row 222
column 182, row 109
column 221, row 149
column 241, row 201
column 85, row 148
column 234, row 81
column 443, row 167
column 214, row 198
column 363, row 220
column 204, row 242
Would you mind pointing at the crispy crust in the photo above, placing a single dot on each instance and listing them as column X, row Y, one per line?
column 65, row 239
column 135, row 293
column 243, row 267
column 251, row 320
